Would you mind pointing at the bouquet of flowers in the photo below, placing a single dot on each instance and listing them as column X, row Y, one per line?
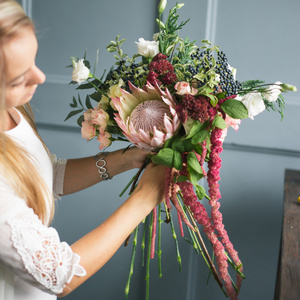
column 177, row 101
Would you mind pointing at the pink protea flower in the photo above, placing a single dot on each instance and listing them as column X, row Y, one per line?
column 146, row 116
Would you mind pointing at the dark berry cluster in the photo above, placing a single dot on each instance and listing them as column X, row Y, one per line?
column 228, row 84
column 132, row 72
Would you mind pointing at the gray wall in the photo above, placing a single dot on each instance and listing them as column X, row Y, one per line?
column 260, row 38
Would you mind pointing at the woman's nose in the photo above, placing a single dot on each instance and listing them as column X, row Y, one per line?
column 36, row 76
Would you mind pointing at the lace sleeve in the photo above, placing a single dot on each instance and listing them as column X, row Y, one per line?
column 51, row 262
column 31, row 250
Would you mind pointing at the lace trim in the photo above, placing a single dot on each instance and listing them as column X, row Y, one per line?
column 51, row 262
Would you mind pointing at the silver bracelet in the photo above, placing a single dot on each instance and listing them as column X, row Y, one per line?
column 100, row 164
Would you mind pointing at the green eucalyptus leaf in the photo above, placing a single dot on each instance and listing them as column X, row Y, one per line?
column 234, row 109
column 112, row 49
column 219, row 122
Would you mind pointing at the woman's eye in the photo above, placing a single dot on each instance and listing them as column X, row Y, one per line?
column 17, row 84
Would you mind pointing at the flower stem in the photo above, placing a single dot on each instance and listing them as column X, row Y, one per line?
column 159, row 240
column 147, row 278
column 132, row 261
column 176, row 242
column 143, row 242
column 236, row 268
column 127, row 186
column 212, row 266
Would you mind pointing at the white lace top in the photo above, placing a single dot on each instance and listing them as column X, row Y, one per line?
column 34, row 264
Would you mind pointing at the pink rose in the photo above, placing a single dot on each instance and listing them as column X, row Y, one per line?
column 100, row 117
column 88, row 131
column 224, row 134
column 234, row 123
column 104, row 140
column 87, row 115
column 183, row 87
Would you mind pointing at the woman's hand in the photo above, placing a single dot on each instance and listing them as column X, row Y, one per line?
column 135, row 157
column 151, row 184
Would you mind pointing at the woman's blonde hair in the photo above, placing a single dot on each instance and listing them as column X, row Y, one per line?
column 15, row 163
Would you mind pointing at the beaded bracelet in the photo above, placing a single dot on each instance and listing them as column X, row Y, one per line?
column 100, row 164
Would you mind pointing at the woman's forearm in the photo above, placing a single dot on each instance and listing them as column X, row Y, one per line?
column 98, row 246
column 82, row 173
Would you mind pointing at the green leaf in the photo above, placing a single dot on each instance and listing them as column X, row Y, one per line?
column 194, row 126
column 88, row 102
column 73, row 113
column 74, row 58
column 74, row 103
column 193, row 162
column 234, row 109
column 96, row 96
column 177, row 145
column 88, row 85
column 169, row 158
column 200, row 137
column 219, row 122
column 112, row 49
column 200, row 191
column 198, row 149
column 194, row 176
column 188, row 145
column 80, row 120
column 177, row 161
column 181, row 178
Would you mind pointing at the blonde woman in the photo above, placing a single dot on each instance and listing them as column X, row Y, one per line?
column 34, row 263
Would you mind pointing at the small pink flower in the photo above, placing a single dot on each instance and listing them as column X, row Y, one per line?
column 101, row 118
column 234, row 123
column 104, row 140
column 88, row 131
column 183, row 87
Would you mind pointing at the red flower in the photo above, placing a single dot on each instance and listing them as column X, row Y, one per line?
column 161, row 70
column 197, row 108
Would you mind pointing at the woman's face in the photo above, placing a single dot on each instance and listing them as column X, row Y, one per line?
column 22, row 75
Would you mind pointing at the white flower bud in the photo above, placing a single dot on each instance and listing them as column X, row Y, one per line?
column 80, row 71
column 162, row 5
column 147, row 48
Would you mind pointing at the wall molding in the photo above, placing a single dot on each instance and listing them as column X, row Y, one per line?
column 27, row 6
column 211, row 20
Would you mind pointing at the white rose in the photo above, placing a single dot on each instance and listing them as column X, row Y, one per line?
column 80, row 71
column 147, row 48
column 233, row 71
column 254, row 104
column 272, row 92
